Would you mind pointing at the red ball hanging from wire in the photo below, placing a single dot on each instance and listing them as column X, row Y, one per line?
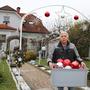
column 47, row 14
column 76, row 17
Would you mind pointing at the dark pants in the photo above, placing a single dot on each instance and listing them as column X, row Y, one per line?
column 69, row 88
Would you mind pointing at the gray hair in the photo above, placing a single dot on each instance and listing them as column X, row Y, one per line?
column 64, row 32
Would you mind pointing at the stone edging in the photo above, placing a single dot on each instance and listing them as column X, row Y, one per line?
column 19, row 81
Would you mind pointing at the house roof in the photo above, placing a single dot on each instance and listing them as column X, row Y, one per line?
column 33, row 24
column 7, row 8
column 35, row 29
column 6, row 27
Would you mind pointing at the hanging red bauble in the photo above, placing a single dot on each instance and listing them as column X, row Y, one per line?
column 76, row 17
column 47, row 14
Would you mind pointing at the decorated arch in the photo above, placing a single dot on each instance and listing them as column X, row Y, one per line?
column 10, row 38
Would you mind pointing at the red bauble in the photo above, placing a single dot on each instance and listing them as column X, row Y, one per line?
column 60, row 60
column 75, row 65
column 67, row 62
column 47, row 14
column 76, row 17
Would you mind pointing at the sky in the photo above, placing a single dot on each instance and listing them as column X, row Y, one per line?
column 29, row 5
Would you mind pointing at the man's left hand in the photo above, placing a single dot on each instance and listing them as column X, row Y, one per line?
column 83, row 65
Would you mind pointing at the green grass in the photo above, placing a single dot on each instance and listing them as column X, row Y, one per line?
column 42, row 62
column 6, row 81
column 87, row 62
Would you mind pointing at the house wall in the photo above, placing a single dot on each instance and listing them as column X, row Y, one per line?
column 8, row 33
column 37, row 36
column 15, row 19
column 34, row 36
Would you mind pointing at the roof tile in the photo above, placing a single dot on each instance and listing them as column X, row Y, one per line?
column 8, row 8
column 5, row 26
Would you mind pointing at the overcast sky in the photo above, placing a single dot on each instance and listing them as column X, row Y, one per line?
column 29, row 5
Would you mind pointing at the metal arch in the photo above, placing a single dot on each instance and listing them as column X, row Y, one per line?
column 61, row 6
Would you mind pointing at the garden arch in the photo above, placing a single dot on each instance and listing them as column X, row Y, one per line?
column 10, row 38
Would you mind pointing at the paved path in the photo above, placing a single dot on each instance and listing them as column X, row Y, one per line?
column 37, row 79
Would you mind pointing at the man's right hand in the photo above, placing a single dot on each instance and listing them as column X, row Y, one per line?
column 52, row 65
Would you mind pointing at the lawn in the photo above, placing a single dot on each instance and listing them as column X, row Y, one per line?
column 6, row 80
column 42, row 62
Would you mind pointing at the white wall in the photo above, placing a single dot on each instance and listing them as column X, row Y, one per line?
column 8, row 32
column 15, row 19
column 37, row 36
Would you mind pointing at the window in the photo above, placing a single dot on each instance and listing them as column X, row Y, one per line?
column 6, row 19
column 2, row 38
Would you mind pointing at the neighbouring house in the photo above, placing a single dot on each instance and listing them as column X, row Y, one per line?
column 33, row 30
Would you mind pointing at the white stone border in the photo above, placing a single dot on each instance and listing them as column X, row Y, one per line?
column 19, row 81
column 13, row 76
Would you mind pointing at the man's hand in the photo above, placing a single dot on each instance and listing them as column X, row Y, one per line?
column 83, row 65
column 52, row 65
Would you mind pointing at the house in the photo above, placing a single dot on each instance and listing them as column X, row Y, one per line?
column 33, row 30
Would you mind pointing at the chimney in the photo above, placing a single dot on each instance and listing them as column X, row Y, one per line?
column 18, row 10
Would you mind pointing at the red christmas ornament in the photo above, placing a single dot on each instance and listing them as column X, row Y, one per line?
column 75, row 65
column 76, row 17
column 67, row 62
column 60, row 60
column 47, row 14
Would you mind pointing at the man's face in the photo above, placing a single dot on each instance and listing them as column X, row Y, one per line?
column 63, row 38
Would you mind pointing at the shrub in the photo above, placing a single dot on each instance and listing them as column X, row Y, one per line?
column 81, row 39
column 29, row 55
